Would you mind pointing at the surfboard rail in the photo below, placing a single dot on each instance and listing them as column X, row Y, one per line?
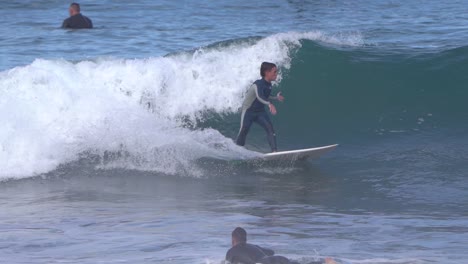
column 299, row 153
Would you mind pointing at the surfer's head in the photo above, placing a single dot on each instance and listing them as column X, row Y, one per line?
column 74, row 9
column 268, row 71
column 239, row 235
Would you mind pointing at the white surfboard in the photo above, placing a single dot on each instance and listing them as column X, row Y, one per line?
column 298, row 153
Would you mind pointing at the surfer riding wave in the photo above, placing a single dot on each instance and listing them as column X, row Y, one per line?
column 253, row 108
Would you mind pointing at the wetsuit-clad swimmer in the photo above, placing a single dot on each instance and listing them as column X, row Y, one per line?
column 76, row 19
column 242, row 252
column 253, row 108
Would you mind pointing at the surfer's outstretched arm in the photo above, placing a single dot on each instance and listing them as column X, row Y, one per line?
column 267, row 251
column 278, row 97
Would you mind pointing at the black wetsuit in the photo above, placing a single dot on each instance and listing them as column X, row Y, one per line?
column 77, row 21
column 253, row 110
column 250, row 254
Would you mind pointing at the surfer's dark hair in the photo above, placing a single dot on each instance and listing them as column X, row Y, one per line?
column 240, row 234
column 75, row 6
column 266, row 66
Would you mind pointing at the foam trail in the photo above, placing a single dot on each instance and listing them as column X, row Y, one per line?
column 55, row 110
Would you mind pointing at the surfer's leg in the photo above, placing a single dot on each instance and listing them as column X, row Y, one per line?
column 246, row 122
column 264, row 120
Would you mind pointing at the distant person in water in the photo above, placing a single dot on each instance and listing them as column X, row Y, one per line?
column 242, row 252
column 76, row 19
column 253, row 109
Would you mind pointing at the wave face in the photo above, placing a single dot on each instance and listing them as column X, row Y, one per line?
column 162, row 114
column 143, row 111
column 364, row 92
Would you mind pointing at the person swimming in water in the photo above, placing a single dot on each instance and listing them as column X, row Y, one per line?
column 242, row 252
column 76, row 19
column 253, row 109
column 245, row 253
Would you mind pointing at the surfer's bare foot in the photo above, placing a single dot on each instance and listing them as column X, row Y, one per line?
column 330, row 261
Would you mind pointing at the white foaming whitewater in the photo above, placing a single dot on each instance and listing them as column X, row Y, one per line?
column 54, row 112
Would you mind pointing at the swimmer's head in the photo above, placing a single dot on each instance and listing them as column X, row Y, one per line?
column 74, row 9
column 239, row 235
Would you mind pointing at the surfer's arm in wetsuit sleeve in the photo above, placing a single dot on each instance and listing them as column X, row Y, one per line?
column 65, row 23
column 278, row 97
column 232, row 255
column 267, row 251
column 90, row 22
column 229, row 256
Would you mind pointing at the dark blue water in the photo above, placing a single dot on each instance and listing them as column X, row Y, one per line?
column 116, row 143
